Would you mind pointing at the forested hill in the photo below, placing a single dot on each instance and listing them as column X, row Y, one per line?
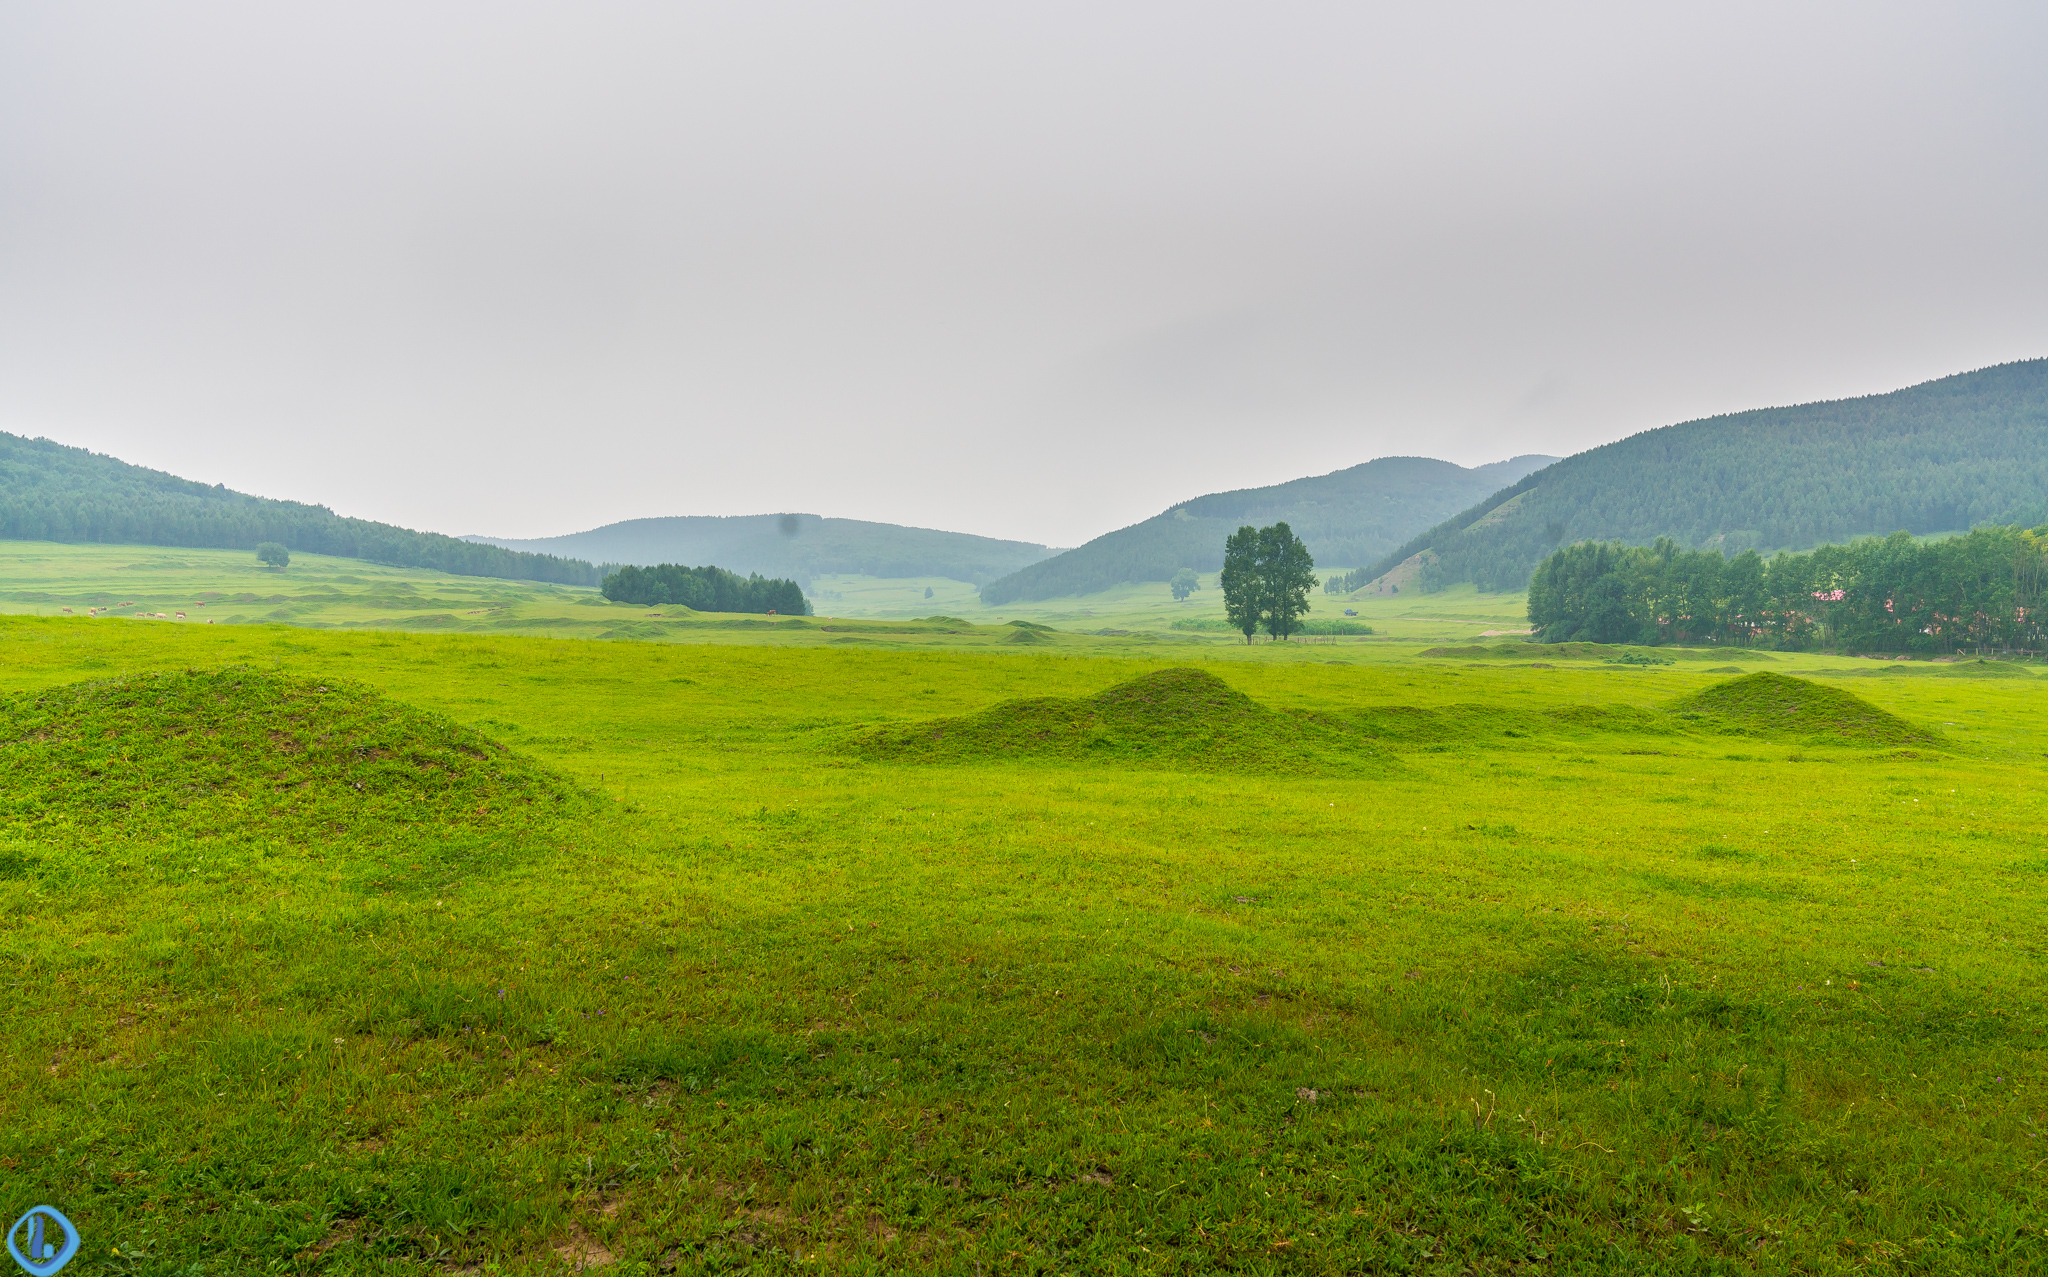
column 1347, row 518
column 1942, row 456
column 50, row 492
column 797, row 546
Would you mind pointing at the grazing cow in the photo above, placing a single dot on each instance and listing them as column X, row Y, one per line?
column 181, row 616
column 67, row 611
column 161, row 617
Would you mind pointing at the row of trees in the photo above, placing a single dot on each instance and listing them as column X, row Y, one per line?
column 1346, row 582
column 705, row 589
column 1987, row 591
column 1267, row 574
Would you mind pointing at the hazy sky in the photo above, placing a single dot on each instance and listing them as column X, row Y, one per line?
column 1033, row 270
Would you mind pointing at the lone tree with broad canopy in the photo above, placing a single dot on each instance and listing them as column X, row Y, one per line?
column 1184, row 583
column 1267, row 575
column 1288, row 573
column 274, row 554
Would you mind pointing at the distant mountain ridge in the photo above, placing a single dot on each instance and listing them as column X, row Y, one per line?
column 794, row 546
column 53, row 492
column 1347, row 517
column 1942, row 456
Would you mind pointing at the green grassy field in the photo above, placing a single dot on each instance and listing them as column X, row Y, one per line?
column 1459, row 613
column 880, row 958
column 223, row 587
column 42, row 578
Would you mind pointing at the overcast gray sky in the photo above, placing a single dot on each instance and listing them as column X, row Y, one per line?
column 1032, row 270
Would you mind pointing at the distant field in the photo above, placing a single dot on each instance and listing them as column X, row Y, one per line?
column 41, row 578
column 229, row 587
column 1460, row 612
column 879, row 958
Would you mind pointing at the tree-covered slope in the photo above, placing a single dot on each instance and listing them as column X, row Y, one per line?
column 50, row 492
column 1347, row 518
column 796, row 546
column 1938, row 457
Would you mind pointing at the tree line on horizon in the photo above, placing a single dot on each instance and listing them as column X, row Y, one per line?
column 1984, row 591
column 705, row 589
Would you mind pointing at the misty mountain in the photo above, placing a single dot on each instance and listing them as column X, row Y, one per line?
column 1347, row 517
column 51, row 492
column 1942, row 456
column 796, row 546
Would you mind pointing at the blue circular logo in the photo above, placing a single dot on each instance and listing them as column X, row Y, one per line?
column 42, row 1241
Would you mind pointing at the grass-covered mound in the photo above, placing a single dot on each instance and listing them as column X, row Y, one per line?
column 235, row 751
column 1777, row 705
column 1180, row 718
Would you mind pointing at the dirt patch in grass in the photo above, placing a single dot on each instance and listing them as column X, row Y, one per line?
column 581, row 1252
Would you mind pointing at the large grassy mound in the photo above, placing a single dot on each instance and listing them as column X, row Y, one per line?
column 1778, row 705
column 237, row 752
column 1180, row 718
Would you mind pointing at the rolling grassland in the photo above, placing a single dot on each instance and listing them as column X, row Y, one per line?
column 226, row 587
column 339, row 951
column 43, row 578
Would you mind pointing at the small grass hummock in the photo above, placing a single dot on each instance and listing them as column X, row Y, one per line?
column 1182, row 718
column 1781, row 706
column 241, row 753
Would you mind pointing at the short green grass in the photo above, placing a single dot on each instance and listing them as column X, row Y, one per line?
column 1556, row 979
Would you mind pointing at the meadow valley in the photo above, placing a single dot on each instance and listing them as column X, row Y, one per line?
column 398, row 952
